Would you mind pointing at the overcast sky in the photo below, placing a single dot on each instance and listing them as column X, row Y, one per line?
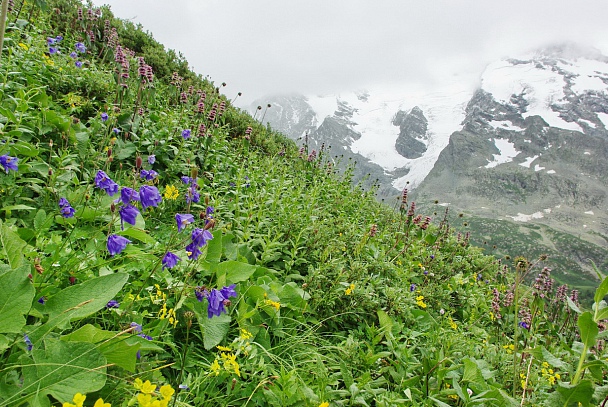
column 328, row 46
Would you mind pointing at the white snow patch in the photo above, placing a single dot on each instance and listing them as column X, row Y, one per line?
column 589, row 213
column 540, row 87
column 527, row 141
column 528, row 161
column 538, row 168
column 552, row 172
column 548, row 210
column 603, row 118
column 589, row 74
column 506, row 153
column 590, row 124
column 507, row 125
column 525, row 218
column 444, row 204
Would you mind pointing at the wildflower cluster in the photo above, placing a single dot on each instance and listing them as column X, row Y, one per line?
column 226, row 361
column 549, row 374
column 164, row 313
column 171, row 193
column 148, row 395
column 420, row 301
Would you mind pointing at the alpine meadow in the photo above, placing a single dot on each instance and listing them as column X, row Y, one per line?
column 160, row 247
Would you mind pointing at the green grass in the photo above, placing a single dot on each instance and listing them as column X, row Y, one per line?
column 327, row 296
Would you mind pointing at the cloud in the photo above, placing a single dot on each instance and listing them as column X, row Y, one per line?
column 320, row 46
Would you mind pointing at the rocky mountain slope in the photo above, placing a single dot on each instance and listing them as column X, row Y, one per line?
column 525, row 152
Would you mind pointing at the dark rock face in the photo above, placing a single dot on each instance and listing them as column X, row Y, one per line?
column 413, row 128
column 290, row 114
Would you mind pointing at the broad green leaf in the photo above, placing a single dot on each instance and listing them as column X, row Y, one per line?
column 120, row 353
column 113, row 346
column 79, row 301
column 472, row 372
column 601, row 291
column 125, row 151
column 42, row 221
column 541, row 353
column 580, row 393
column 138, row 234
column 233, row 271
column 16, row 296
column 602, row 314
column 214, row 248
column 24, row 149
column 4, row 342
column 12, row 246
column 292, row 295
column 88, row 333
column 214, row 330
column 588, row 328
column 62, row 369
column 386, row 322
column 230, row 249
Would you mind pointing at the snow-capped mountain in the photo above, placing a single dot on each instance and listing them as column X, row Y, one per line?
column 376, row 121
column 529, row 147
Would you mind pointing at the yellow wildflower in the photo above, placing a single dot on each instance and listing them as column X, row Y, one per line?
column 245, row 334
column 223, row 348
column 420, row 301
column 215, row 367
column 230, row 363
column 166, row 391
column 272, row 303
column 100, row 403
column 22, row 45
column 147, row 387
column 324, row 404
column 144, row 400
column 78, row 399
column 453, row 324
column 350, row 289
column 171, row 192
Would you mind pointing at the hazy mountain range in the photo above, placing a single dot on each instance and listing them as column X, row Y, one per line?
column 524, row 156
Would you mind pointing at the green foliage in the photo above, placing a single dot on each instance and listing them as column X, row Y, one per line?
column 292, row 287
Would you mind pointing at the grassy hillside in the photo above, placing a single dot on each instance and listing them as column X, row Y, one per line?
column 160, row 247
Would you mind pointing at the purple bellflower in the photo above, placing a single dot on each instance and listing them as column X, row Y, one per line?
column 117, row 244
column 149, row 196
column 103, row 181
column 9, row 163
